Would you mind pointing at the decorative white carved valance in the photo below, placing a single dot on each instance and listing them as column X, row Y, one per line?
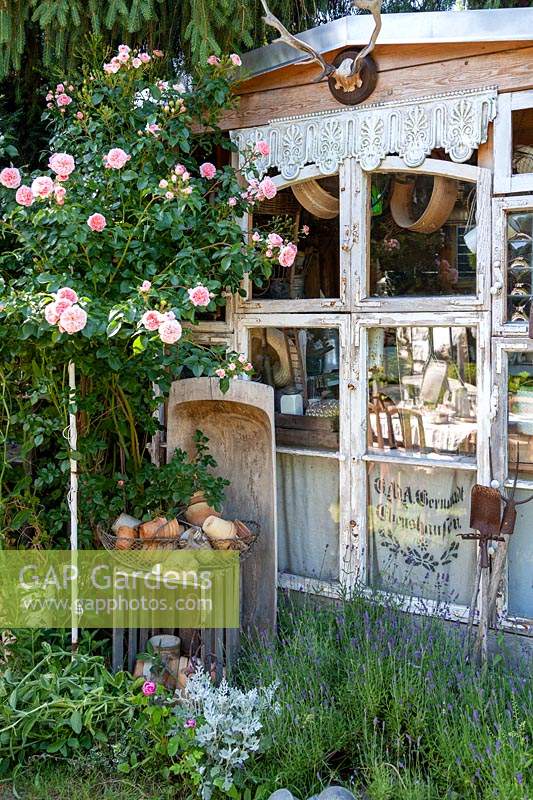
column 456, row 122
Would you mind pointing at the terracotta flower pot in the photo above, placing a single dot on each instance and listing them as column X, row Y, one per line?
column 199, row 510
column 219, row 531
column 149, row 529
column 125, row 537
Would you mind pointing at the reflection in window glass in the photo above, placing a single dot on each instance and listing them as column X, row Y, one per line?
column 520, row 414
column 423, row 236
column 522, row 141
column 519, row 265
column 302, row 365
column 520, row 601
column 307, row 215
column 308, row 516
column 415, row 516
column 422, row 389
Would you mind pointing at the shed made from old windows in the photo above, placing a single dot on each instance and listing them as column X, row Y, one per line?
column 397, row 343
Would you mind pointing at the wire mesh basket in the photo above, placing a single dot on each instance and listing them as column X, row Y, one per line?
column 246, row 534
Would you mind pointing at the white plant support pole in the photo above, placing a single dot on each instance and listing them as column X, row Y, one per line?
column 73, row 501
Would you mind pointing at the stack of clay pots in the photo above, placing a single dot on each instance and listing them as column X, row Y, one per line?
column 133, row 534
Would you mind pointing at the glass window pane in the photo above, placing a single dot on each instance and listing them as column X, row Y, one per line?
column 308, row 516
column 519, row 265
column 422, row 390
column 414, row 517
column 423, row 236
column 522, row 141
column 520, row 601
column 520, row 414
column 307, row 215
column 302, row 364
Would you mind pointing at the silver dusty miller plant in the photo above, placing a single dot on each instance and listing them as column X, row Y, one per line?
column 228, row 722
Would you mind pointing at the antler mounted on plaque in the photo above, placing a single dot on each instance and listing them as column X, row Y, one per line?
column 352, row 76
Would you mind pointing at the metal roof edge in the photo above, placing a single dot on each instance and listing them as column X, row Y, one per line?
column 425, row 27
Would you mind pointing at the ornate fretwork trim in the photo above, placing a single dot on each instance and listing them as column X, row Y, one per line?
column 457, row 122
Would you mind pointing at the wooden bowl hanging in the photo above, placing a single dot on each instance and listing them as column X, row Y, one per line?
column 440, row 206
column 316, row 200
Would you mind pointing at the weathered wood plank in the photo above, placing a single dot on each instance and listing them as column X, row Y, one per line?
column 513, row 69
column 240, row 428
column 387, row 57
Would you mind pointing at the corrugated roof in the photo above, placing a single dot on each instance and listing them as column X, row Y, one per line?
column 492, row 25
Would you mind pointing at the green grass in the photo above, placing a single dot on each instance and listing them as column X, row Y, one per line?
column 58, row 781
column 385, row 704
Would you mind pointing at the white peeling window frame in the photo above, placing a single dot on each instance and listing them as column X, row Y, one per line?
column 504, row 180
column 361, row 456
column 500, row 450
column 251, row 305
column 501, row 207
column 477, row 176
column 347, row 552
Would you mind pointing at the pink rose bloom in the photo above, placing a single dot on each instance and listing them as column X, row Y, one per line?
column 66, row 293
column 213, row 60
column 60, row 87
column 43, row 186
column 170, row 331
column 24, row 196
column 59, row 194
column 269, row 253
column 179, row 169
column 73, row 320
column 242, row 358
column 262, row 147
column 267, row 188
column 287, row 255
column 208, row 170
column 232, row 367
column 248, row 367
column 149, row 688
column 185, row 176
column 170, row 315
column 151, row 320
column 63, row 99
column 111, row 68
column 256, row 237
column 305, row 230
column 235, row 60
column 62, row 164
column 153, row 127
column 123, row 57
column 123, row 48
column 79, row 114
column 145, row 58
column 232, row 201
column 145, row 286
column 187, row 190
column 163, row 183
column 274, row 240
column 116, row 158
column 169, row 195
column 136, row 62
column 199, row 296
column 158, row 53
column 49, row 97
column 51, row 314
column 10, row 178
column 220, row 373
column 97, row 222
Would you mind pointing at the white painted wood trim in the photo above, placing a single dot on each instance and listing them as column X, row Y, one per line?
column 504, row 180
